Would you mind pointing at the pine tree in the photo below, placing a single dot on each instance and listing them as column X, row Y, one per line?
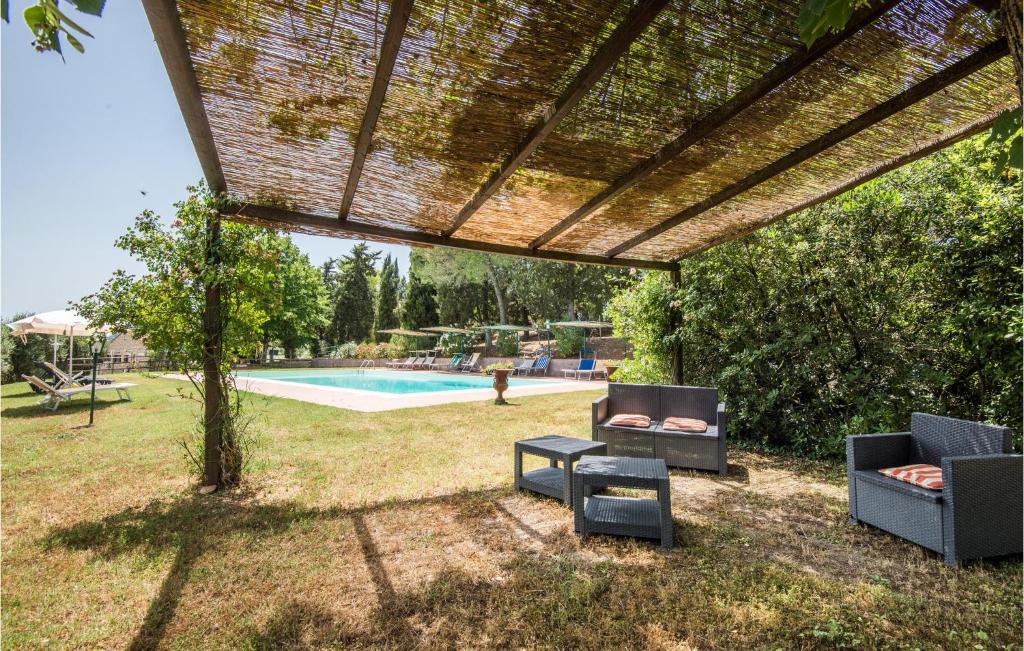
column 419, row 308
column 353, row 300
column 386, row 309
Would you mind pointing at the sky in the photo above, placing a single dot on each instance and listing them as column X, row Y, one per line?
column 81, row 142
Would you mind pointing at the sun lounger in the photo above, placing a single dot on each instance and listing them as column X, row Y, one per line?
column 541, row 366
column 471, row 365
column 450, row 365
column 413, row 364
column 397, row 363
column 585, row 366
column 54, row 397
column 65, row 380
column 592, row 372
column 426, row 363
column 524, row 367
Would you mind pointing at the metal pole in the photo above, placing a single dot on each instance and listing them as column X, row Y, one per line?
column 92, row 392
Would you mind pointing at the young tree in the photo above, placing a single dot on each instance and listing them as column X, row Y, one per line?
column 443, row 266
column 353, row 299
column 386, row 309
column 208, row 288
column 303, row 309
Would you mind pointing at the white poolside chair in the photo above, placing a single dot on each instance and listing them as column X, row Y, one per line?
column 426, row 363
column 471, row 365
column 413, row 364
column 65, row 380
column 54, row 397
column 395, row 363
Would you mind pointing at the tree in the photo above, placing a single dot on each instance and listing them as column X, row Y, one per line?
column 386, row 308
column 418, row 308
column 443, row 266
column 194, row 268
column 353, row 300
column 902, row 295
column 47, row 21
column 303, row 308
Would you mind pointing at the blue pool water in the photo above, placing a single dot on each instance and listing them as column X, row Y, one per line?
column 384, row 381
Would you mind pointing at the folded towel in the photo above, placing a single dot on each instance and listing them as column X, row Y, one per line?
column 677, row 424
column 630, row 420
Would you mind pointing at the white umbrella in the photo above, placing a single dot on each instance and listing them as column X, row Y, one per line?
column 57, row 323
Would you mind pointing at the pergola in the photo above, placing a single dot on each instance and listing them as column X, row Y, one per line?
column 632, row 133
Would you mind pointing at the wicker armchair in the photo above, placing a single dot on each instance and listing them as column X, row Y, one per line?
column 703, row 451
column 976, row 514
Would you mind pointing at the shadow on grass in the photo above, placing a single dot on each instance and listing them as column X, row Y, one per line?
column 730, row 580
column 75, row 406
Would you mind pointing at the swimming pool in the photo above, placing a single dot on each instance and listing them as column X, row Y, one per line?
column 393, row 382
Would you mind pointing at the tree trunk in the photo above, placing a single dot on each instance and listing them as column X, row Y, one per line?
column 213, row 348
column 675, row 320
column 499, row 290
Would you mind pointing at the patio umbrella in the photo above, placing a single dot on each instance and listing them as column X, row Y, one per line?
column 66, row 323
column 449, row 329
column 507, row 328
column 406, row 333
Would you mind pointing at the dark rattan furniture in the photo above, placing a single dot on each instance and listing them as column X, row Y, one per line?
column 553, row 481
column 978, row 511
column 702, row 451
column 622, row 516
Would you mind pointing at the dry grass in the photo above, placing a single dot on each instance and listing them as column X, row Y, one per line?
column 400, row 530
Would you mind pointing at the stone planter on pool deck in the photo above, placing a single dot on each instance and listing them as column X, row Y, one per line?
column 501, row 384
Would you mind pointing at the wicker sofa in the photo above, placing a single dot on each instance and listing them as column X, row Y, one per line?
column 976, row 514
column 704, row 451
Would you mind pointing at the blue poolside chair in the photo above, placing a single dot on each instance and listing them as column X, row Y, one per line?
column 452, row 365
column 586, row 366
column 540, row 366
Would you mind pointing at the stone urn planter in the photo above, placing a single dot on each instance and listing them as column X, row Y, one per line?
column 611, row 368
column 501, row 384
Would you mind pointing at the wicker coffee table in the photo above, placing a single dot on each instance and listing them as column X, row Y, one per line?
column 553, row 481
column 622, row 516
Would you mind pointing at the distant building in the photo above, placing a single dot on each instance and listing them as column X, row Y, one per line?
column 126, row 349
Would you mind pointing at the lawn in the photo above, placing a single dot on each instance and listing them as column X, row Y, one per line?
column 400, row 529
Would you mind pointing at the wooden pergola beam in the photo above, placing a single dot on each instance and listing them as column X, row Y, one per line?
column 947, row 141
column 393, row 34
column 303, row 222
column 782, row 72
column 170, row 40
column 632, row 26
column 972, row 63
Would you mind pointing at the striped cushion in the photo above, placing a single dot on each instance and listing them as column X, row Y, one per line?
column 919, row 474
column 630, row 420
column 678, row 424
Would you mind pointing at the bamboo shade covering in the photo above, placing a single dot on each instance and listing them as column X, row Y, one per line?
column 284, row 88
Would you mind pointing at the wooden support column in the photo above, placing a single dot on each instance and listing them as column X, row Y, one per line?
column 675, row 321
column 1012, row 16
column 213, row 348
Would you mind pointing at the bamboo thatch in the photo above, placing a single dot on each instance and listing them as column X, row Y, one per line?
column 699, row 121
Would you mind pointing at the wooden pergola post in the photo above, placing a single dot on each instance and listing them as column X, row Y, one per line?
column 676, row 320
column 1012, row 16
column 214, row 401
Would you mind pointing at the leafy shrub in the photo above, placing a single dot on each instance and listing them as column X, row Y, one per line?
column 346, row 350
column 455, row 342
column 507, row 344
column 498, row 366
column 373, row 351
column 641, row 314
column 569, row 341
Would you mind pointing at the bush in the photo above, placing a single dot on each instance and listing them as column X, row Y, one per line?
column 498, row 366
column 640, row 314
column 346, row 350
column 569, row 341
column 455, row 342
column 507, row 344
column 373, row 351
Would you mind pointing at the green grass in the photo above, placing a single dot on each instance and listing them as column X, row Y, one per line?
column 400, row 529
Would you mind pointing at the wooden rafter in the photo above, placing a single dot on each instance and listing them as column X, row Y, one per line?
column 604, row 58
column 704, row 127
column 899, row 161
column 315, row 224
column 170, row 40
column 393, row 33
column 914, row 94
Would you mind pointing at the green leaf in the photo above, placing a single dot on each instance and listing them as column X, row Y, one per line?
column 63, row 17
column 75, row 43
column 91, row 7
column 35, row 17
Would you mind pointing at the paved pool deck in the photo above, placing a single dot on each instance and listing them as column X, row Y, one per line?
column 371, row 401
